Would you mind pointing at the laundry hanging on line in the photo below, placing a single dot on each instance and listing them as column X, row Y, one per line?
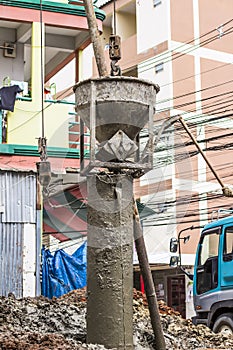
column 8, row 96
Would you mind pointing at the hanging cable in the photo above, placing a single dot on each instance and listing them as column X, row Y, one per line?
column 41, row 70
column 43, row 167
column 114, row 13
column 42, row 140
column 170, row 55
column 114, row 47
column 183, row 47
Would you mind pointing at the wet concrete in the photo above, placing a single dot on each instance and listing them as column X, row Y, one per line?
column 110, row 261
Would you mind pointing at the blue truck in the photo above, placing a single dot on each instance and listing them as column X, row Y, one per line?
column 213, row 275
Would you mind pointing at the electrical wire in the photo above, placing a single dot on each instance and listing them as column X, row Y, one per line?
column 191, row 102
column 161, row 58
column 178, row 54
column 37, row 113
column 196, row 91
column 114, row 19
column 83, row 232
column 42, row 72
column 127, row 68
column 184, row 53
column 177, row 97
column 162, row 101
column 181, row 213
column 65, row 204
column 194, row 75
column 179, row 106
column 157, row 102
column 181, row 156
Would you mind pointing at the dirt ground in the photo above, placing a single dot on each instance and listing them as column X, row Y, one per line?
column 60, row 323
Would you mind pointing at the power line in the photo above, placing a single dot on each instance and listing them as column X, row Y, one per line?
column 167, row 55
column 194, row 75
column 195, row 91
column 179, row 55
column 179, row 106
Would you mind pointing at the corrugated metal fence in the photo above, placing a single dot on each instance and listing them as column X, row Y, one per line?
column 17, row 207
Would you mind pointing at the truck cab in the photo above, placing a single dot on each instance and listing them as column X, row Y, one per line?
column 213, row 276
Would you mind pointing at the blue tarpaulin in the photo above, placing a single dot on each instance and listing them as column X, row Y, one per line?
column 62, row 272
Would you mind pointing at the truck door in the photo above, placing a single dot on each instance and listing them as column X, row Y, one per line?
column 207, row 263
column 226, row 267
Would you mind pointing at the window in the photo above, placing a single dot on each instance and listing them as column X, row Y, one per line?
column 158, row 68
column 209, row 247
column 228, row 245
column 157, row 2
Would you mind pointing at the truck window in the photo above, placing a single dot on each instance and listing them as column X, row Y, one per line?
column 228, row 244
column 209, row 247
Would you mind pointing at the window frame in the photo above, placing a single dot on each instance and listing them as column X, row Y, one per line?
column 159, row 67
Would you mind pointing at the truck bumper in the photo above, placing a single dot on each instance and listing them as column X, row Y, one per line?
column 196, row 320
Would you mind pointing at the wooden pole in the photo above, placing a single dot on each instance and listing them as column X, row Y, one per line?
column 226, row 190
column 148, row 282
column 95, row 38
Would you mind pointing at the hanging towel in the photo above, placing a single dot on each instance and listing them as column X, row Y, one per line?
column 8, row 96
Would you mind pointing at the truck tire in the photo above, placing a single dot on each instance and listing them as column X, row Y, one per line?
column 224, row 324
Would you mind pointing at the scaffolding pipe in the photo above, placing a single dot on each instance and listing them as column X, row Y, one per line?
column 226, row 190
column 148, row 282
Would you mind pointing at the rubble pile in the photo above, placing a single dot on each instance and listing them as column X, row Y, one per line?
column 60, row 323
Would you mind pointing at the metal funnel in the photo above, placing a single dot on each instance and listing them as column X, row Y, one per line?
column 119, row 103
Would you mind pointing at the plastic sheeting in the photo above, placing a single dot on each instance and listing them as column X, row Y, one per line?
column 62, row 272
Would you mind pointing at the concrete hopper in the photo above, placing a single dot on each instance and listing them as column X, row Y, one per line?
column 115, row 109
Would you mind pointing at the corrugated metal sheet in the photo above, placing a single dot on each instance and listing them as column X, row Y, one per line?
column 11, row 259
column 18, row 197
column 17, row 207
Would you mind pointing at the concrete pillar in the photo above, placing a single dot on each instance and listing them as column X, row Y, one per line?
column 110, row 261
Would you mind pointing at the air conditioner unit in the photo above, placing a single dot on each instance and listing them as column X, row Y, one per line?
column 9, row 50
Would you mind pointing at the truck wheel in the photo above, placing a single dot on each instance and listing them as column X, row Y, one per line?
column 224, row 324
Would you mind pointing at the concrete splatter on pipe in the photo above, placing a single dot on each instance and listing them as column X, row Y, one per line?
column 110, row 256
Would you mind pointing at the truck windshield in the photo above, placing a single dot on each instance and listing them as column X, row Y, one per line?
column 207, row 264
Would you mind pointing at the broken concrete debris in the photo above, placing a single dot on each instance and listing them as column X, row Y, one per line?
column 60, row 323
